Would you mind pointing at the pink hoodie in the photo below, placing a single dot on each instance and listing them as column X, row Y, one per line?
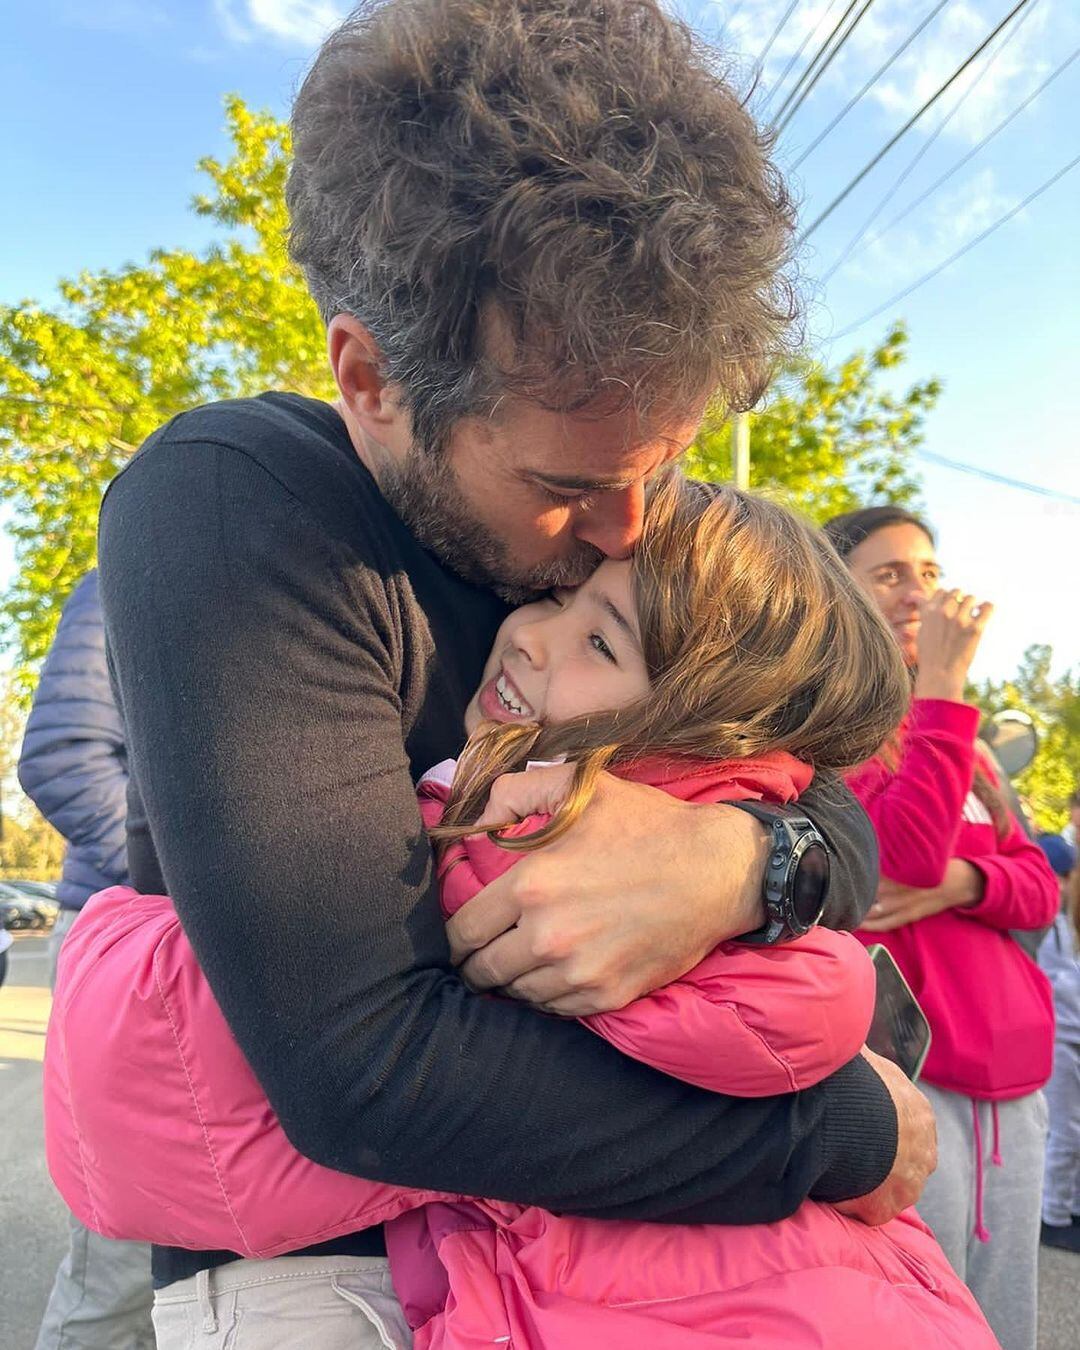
column 989, row 1006
column 144, row 1085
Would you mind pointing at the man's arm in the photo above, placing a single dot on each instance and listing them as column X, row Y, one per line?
column 73, row 764
column 259, row 696
column 853, row 850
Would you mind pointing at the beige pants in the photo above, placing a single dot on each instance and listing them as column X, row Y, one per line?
column 289, row 1303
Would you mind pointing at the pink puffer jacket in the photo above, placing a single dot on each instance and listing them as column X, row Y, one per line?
column 157, row 1129
column 745, row 1021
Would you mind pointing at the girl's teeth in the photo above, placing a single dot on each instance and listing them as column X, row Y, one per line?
column 507, row 699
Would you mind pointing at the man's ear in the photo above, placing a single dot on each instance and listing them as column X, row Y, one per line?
column 356, row 361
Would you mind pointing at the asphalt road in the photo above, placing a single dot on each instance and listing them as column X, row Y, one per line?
column 32, row 1218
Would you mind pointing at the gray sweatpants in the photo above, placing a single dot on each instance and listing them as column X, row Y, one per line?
column 1061, row 1193
column 983, row 1204
column 102, row 1296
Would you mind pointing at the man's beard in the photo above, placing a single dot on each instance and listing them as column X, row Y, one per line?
column 425, row 494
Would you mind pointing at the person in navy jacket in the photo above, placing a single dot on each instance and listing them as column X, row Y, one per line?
column 73, row 766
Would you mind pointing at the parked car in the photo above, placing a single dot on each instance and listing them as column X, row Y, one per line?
column 20, row 910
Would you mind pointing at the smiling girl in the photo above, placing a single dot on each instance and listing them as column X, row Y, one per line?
column 730, row 659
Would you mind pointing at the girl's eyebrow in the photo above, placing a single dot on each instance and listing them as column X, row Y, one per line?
column 615, row 614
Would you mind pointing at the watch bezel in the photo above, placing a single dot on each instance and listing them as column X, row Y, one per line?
column 793, row 835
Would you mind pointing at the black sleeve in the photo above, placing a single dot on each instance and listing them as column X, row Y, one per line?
column 846, row 828
column 255, row 670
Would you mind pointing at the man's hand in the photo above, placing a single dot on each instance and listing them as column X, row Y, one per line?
column 916, row 1149
column 634, row 895
column 899, row 905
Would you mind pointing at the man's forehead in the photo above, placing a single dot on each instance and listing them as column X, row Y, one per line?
column 582, row 453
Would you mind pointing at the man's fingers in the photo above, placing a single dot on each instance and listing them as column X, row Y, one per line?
column 486, row 916
column 543, row 987
column 502, row 963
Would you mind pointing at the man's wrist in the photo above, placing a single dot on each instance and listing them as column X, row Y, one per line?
column 859, row 1134
column 740, row 858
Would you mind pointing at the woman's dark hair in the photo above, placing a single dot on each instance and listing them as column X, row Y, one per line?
column 565, row 199
column 848, row 531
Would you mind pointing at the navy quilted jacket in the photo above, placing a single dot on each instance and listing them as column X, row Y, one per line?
column 74, row 761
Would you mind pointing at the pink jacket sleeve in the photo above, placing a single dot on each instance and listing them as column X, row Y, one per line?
column 754, row 1021
column 916, row 809
column 1021, row 889
column 747, row 1021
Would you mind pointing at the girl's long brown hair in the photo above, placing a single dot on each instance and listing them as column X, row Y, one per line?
column 756, row 639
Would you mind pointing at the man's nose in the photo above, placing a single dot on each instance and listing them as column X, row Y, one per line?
column 613, row 522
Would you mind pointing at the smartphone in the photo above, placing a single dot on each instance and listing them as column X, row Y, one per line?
column 899, row 1031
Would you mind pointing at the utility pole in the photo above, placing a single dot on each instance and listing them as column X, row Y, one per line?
column 740, row 450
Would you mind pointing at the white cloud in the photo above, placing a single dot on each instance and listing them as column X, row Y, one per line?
column 991, row 88
column 957, row 217
column 301, row 23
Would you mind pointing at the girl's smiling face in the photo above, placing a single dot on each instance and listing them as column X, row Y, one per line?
column 574, row 652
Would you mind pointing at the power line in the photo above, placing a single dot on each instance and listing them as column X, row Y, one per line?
column 776, row 33
column 929, row 276
column 814, row 60
column 824, row 66
column 810, row 33
column 854, row 183
column 870, row 83
column 925, row 148
column 1001, row 478
column 976, row 148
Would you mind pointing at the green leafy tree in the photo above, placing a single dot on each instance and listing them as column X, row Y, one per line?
column 830, row 438
column 84, row 382
column 1054, row 707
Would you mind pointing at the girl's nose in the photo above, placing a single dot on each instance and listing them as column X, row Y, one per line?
column 532, row 642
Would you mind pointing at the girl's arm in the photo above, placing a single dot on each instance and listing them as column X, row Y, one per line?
column 1019, row 889
column 754, row 1021
column 916, row 808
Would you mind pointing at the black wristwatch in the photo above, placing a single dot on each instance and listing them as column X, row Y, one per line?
column 796, row 874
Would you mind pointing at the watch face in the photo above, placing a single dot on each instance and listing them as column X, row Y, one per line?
column 811, row 886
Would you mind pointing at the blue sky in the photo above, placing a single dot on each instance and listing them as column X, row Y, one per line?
column 111, row 105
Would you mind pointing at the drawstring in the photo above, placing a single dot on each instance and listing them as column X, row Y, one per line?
column 981, row 1230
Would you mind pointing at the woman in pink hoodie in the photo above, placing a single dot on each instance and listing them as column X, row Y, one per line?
column 959, row 873
column 727, row 661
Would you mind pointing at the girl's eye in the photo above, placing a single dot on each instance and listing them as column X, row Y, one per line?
column 597, row 642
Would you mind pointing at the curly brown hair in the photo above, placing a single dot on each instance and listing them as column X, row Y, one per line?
column 575, row 175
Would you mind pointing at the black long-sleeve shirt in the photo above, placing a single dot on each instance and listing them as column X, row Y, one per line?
column 287, row 661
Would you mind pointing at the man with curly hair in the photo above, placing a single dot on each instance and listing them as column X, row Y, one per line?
column 542, row 234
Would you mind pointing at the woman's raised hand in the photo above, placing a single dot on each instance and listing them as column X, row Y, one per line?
column 951, row 629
